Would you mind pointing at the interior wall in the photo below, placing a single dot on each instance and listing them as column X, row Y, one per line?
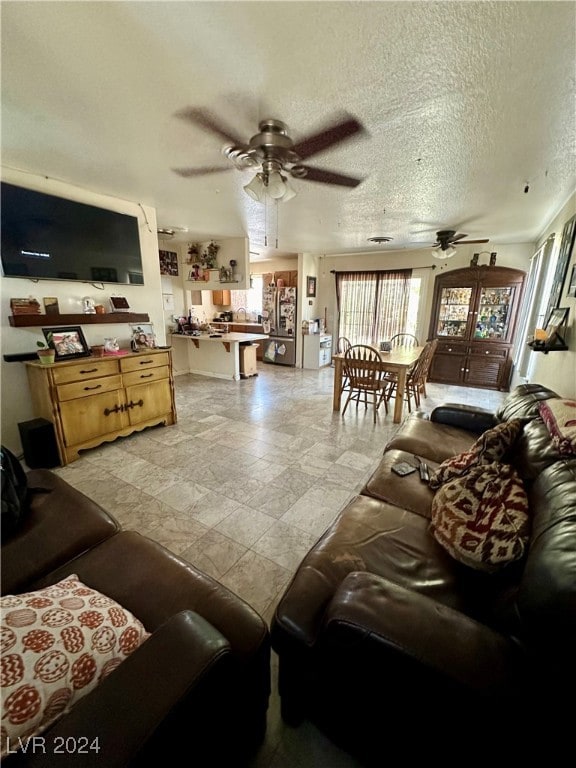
column 15, row 404
column 515, row 256
column 557, row 370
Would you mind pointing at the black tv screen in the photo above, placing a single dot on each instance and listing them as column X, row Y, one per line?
column 45, row 237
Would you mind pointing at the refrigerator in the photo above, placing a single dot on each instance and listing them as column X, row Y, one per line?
column 279, row 313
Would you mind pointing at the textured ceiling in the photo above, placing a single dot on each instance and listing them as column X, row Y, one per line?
column 463, row 103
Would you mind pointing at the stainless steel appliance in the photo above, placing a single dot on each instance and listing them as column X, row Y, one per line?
column 279, row 313
column 280, row 350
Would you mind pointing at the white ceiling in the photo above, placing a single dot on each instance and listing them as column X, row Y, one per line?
column 463, row 104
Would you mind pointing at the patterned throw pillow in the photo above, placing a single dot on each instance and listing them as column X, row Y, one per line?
column 57, row 644
column 481, row 519
column 560, row 419
column 491, row 446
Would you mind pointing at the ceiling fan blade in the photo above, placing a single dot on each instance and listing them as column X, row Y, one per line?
column 332, row 134
column 328, row 177
column 471, row 242
column 205, row 120
column 457, row 237
column 188, row 172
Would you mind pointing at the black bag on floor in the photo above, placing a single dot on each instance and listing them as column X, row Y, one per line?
column 14, row 492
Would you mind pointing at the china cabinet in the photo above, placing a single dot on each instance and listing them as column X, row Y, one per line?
column 474, row 318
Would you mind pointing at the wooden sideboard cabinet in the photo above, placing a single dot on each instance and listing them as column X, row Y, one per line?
column 95, row 400
column 474, row 319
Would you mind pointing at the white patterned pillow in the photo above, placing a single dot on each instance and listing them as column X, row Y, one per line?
column 57, row 644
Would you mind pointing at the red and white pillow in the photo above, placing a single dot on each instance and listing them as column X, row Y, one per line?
column 481, row 518
column 57, row 644
column 491, row 446
column 560, row 419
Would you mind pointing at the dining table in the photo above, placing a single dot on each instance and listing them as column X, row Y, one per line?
column 397, row 361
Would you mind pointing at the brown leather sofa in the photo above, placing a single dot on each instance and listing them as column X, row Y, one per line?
column 196, row 690
column 390, row 645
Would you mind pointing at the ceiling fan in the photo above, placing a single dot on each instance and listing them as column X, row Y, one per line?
column 447, row 239
column 271, row 152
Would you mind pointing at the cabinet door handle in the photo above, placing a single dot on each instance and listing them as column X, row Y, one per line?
column 87, row 389
column 149, row 375
column 146, row 362
column 92, row 370
column 449, row 349
column 116, row 409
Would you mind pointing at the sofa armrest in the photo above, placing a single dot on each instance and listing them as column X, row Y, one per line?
column 125, row 711
column 464, row 416
column 429, row 636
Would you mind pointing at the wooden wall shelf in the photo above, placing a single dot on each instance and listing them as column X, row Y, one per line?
column 26, row 321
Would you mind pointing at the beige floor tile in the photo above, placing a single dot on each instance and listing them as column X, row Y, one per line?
column 214, row 554
column 256, row 579
column 245, row 525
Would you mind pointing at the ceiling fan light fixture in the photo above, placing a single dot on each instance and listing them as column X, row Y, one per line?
column 256, row 188
column 444, row 253
column 275, row 186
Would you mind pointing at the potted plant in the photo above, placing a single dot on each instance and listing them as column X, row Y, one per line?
column 46, row 353
column 193, row 253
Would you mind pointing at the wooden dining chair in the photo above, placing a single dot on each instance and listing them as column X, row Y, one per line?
column 362, row 368
column 341, row 346
column 404, row 340
column 415, row 377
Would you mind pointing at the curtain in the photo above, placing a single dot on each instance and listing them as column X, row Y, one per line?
column 372, row 306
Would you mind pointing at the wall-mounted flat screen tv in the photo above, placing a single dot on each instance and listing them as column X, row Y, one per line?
column 45, row 237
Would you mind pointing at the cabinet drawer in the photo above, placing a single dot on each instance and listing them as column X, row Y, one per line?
column 144, row 361
column 142, row 377
column 89, row 369
column 454, row 347
column 88, row 388
column 490, row 350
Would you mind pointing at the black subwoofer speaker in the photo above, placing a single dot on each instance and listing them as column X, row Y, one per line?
column 39, row 444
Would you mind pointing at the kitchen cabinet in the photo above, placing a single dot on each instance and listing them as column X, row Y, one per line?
column 474, row 318
column 221, row 298
column 98, row 399
column 317, row 350
column 289, row 278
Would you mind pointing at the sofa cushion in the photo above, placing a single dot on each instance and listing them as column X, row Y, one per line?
column 57, row 644
column 481, row 518
column 560, row 419
column 523, row 402
column 429, row 440
column 489, row 447
column 407, row 492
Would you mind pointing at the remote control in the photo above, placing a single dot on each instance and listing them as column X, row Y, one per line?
column 424, row 473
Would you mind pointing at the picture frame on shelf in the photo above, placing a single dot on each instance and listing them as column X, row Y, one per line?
column 68, row 342
column 310, row 287
column 557, row 319
column 51, row 305
column 143, row 336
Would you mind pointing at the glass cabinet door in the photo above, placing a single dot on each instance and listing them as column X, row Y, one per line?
column 453, row 312
column 493, row 318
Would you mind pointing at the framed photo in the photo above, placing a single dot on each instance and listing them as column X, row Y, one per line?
column 557, row 318
column 311, row 287
column 564, row 257
column 68, row 342
column 51, row 305
column 168, row 263
column 143, row 336
column 572, row 284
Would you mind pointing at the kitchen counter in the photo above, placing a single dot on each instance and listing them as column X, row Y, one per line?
column 207, row 355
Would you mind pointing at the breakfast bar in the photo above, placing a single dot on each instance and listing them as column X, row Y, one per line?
column 216, row 354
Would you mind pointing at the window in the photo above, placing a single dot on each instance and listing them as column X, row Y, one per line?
column 374, row 306
column 250, row 300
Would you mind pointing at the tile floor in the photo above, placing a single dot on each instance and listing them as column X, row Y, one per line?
column 243, row 485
